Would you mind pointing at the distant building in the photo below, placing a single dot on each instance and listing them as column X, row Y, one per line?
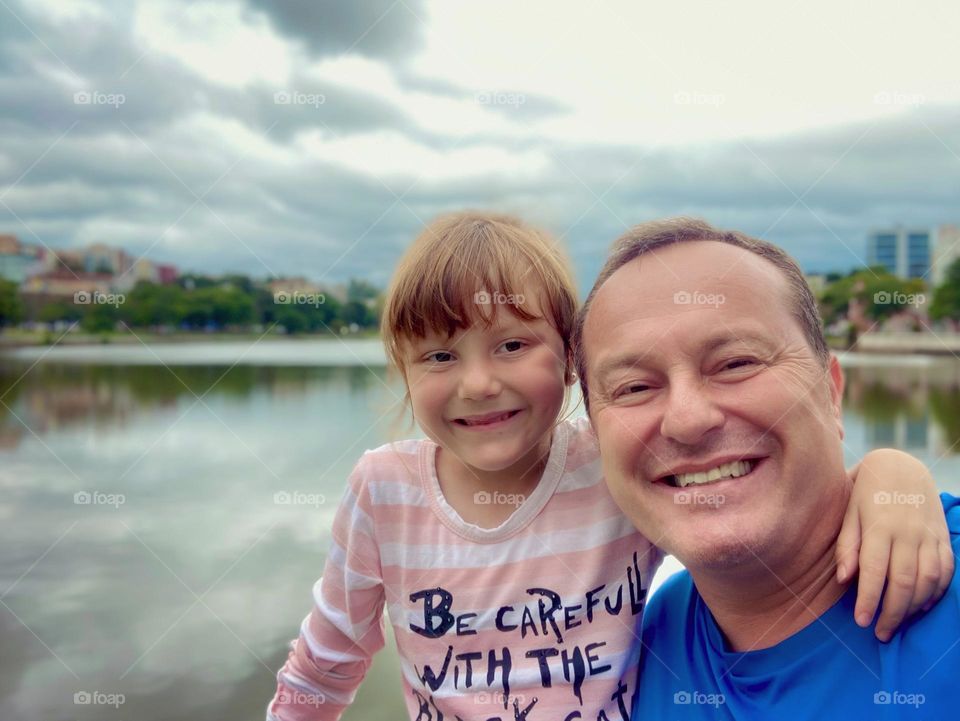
column 946, row 251
column 41, row 271
column 905, row 252
column 60, row 274
column 17, row 261
column 298, row 284
column 64, row 284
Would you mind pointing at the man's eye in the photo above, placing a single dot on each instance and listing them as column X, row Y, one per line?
column 738, row 363
column 440, row 356
column 632, row 389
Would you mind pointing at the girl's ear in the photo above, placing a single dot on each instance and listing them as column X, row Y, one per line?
column 569, row 375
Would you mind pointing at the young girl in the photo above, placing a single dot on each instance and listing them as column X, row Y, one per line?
column 513, row 582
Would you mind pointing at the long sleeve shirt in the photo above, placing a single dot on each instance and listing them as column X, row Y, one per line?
column 535, row 619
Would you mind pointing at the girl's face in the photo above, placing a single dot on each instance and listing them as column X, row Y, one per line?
column 490, row 396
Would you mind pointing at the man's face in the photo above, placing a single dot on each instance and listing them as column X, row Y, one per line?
column 719, row 429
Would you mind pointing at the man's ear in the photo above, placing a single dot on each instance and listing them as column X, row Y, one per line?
column 836, row 391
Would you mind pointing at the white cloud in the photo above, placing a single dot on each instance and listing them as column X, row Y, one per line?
column 390, row 154
column 621, row 64
column 216, row 40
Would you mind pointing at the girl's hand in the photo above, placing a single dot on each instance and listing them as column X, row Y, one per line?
column 895, row 520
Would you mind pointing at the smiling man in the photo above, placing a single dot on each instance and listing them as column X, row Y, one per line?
column 717, row 406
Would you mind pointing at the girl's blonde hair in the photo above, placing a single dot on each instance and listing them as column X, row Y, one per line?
column 461, row 268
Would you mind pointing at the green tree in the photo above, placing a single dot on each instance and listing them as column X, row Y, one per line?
column 151, row 304
column 11, row 309
column 100, row 318
column 218, row 306
column 59, row 310
column 361, row 291
column 241, row 282
column 882, row 293
column 292, row 318
column 946, row 298
column 357, row 312
column 191, row 281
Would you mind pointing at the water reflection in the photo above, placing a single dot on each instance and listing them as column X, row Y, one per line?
column 913, row 408
column 58, row 396
column 184, row 595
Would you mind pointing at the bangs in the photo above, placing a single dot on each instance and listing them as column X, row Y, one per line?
column 466, row 268
column 462, row 291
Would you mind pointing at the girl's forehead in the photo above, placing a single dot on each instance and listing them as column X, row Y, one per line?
column 502, row 321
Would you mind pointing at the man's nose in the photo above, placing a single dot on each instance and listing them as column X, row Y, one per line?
column 690, row 412
column 479, row 380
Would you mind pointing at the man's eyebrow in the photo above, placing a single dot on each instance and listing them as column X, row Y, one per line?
column 630, row 360
column 617, row 363
column 730, row 338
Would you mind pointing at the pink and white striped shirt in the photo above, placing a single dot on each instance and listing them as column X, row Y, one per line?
column 536, row 619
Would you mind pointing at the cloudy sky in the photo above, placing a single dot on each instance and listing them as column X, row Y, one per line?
column 294, row 137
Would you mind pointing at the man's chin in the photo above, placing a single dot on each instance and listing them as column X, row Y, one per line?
column 711, row 548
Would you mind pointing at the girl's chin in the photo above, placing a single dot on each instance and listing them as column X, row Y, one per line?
column 492, row 462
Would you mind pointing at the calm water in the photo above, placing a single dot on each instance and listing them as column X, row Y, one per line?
column 183, row 578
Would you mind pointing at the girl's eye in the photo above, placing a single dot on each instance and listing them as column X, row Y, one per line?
column 512, row 346
column 439, row 356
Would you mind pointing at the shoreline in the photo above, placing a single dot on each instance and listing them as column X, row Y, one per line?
column 28, row 339
column 905, row 349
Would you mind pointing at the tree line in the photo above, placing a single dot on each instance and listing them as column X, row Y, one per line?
column 197, row 302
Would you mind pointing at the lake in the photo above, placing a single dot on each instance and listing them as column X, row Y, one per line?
column 166, row 510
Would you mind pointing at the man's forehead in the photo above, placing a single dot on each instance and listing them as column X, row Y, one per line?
column 701, row 259
column 701, row 285
column 673, row 278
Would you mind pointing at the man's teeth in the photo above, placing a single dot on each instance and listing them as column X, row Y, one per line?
column 727, row 470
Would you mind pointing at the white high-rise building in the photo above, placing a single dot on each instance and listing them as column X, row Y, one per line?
column 945, row 251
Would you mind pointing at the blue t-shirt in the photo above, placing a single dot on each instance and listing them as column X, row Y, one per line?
column 832, row 669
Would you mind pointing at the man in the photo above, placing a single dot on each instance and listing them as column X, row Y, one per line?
column 717, row 406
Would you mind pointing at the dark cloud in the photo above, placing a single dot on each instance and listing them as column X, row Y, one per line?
column 377, row 28
column 129, row 174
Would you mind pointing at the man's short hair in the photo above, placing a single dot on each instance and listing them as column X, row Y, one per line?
column 647, row 237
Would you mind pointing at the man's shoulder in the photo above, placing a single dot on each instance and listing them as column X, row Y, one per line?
column 951, row 508
column 667, row 606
